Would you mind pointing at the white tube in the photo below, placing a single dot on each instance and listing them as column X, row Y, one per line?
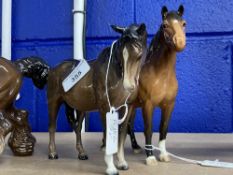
column 79, row 18
column 79, row 38
column 6, row 28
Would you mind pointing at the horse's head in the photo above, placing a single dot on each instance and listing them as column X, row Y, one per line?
column 173, row 28
column 132, row 49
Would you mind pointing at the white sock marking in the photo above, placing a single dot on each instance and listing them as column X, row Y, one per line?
column 162, row 147
column 111, row 169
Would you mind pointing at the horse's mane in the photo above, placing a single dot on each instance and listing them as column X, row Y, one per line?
column 35, row 68
column 105, row 53
column 103, row 57
column 155, row 43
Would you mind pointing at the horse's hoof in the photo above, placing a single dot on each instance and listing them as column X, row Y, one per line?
column 164, row 158
column 103, row 148
column 137, row 149
column 151, row 161
column 82, row 157
column 122, row 165
column 111, row 172
column 2, row 144
column 53, row 156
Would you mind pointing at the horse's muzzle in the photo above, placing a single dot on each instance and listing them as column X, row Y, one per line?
column 179, row 42
column 129, row 86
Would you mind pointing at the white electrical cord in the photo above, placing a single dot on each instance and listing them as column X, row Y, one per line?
column 106, row 89
column 208, row 163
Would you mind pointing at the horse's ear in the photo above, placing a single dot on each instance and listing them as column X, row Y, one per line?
column 141, row 29
column 164, row 12
column 118, row 29
column 181, row 10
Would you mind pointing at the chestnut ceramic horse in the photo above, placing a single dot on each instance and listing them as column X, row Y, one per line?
column 21, row 141
column 89, row 93
column 158, row 83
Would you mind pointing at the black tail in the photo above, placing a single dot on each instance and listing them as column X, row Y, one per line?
column 73, row 121
column 35, row 68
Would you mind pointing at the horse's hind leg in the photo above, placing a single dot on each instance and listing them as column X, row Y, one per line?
column 53, row 110
column 130, row 130
column 148, row 116
column 78, row 128
column 165, row 118
column 76, row 123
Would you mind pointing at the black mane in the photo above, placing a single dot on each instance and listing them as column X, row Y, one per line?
column 103, row 58
column 35, row 68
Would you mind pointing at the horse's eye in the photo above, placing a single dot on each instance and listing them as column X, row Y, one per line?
column 165, row 26
column 184, row 24
column 126, row 38
column 135, row 40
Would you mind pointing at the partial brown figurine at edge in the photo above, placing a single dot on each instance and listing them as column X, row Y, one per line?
column 12, row 120
column 21, row 140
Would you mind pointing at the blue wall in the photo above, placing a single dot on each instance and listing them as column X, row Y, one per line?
column 204, row 68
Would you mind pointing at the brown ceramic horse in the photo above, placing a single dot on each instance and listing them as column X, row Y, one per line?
column 10, row 83
column 21, row 141
column 89, row 93
column 158, row 83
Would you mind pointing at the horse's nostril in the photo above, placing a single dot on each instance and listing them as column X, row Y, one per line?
column 131, row 88
column 179, row 41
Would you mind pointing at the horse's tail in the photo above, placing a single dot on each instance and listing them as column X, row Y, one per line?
column 72, row 119
column 35, row 68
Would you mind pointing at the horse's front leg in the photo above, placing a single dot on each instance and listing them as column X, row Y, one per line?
column 147, row 110
column 109, row 159
column 130, row 130
column 103, row 146
column 165, row 118
column 122, row 164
